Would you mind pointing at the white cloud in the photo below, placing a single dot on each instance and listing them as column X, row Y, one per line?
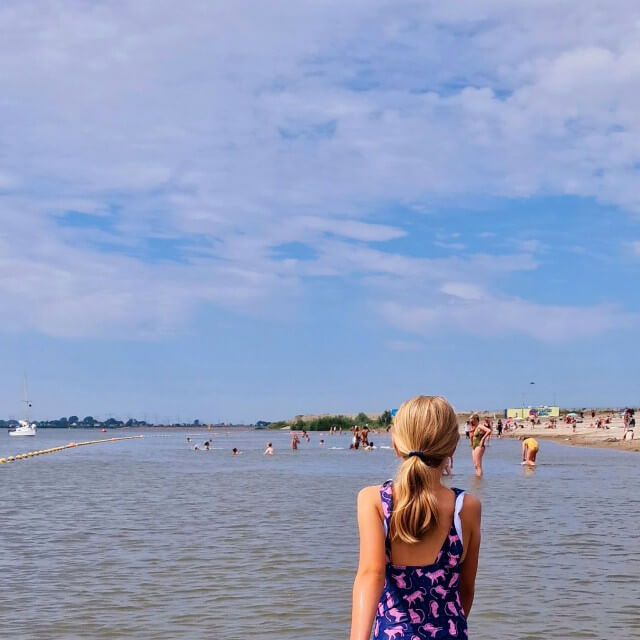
column 353, row 229
column 454, row 246
column 233, row 128
column 463, row 290
column 498, row 317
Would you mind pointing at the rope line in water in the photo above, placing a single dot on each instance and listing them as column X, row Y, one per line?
column 71, row 445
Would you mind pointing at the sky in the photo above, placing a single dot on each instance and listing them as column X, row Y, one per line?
column 235, row 211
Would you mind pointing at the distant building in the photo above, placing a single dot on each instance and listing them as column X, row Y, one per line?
column 527, row 412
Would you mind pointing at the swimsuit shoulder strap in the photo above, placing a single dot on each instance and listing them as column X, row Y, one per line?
column 457, row 523
column 386, row 498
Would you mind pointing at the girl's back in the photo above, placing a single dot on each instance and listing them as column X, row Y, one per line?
column 419, row 540
column 422, row 600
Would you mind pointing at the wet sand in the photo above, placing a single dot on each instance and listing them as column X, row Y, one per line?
column 584, row 436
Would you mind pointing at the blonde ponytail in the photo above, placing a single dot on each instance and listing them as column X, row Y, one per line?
column 425, row 433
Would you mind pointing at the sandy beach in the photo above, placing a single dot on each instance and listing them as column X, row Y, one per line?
column 585, row 434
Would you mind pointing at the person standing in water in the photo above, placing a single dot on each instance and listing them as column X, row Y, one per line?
column 269, row 450
column 419, row 540
column 479, row 435
column 530, row 448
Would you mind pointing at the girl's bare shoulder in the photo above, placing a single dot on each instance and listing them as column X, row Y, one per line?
column 370, row 494
column 471, row 507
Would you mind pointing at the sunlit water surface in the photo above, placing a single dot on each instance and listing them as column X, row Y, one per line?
column 149, row 539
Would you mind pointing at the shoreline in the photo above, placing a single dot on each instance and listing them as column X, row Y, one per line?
column 585, row 435
column 584, row 440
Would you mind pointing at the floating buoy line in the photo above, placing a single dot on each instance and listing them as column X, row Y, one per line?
column 71, row 445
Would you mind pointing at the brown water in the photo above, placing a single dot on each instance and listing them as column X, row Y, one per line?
column 149, row 539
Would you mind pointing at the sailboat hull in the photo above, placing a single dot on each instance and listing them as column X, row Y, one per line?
column 23, row 431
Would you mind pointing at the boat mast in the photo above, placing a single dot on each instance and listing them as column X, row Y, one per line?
column 27, row 404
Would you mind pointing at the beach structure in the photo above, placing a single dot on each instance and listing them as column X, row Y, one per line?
column 526, row 412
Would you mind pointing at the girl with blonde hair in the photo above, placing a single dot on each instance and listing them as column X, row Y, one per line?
column 419, row 540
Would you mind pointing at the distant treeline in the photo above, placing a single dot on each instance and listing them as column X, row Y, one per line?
column 89, row 422
column 342, row 423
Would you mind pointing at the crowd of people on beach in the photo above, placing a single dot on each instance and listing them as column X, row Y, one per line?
column 477, row 431
column 478, row 435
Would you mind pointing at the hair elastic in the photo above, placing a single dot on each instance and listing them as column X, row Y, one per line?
column 430, row 461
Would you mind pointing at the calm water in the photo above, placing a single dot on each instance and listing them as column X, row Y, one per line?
column 149, row 539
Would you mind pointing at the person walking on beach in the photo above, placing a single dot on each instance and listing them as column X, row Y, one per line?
column 419, row 540
column 479, row 435
column 530, row 448
column 489, row 425
column 499, row 428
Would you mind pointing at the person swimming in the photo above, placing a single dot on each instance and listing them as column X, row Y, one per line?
column 419, row 540
column 530, row 448
column 269, row 450
column 235, row 451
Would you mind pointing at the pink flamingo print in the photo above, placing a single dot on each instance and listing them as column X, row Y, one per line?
column 453, row 538
column 454, row 580
column 416, row 596
column 453, row 630
column 433, row 606
column 451, row 609
column 390, row 602
column 453, row 559
column 430, row 628
column 376, row 629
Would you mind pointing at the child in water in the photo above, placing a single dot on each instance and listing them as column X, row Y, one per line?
column 269, row 450
column 530, row 448
column 419, row 540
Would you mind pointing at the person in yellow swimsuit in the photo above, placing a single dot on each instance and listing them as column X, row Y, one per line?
column 530, row 450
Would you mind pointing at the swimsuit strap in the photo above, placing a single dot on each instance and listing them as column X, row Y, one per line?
column 386, row 498
column 457, row 523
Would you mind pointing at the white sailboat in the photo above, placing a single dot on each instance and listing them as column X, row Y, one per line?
column 25, row 428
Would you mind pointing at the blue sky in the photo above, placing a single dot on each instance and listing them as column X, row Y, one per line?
column 243, row 211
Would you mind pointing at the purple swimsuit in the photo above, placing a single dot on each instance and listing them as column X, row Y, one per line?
column 422, row 602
